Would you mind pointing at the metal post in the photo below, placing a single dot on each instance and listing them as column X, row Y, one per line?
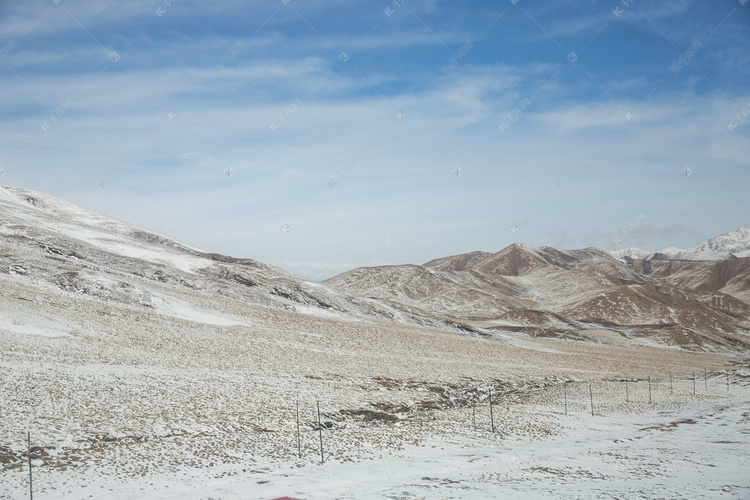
column 705, row 378
column 299, row 441
column 492, row 417
column 627, row 395
column 693, row 383
column 649, row 390
column 320, row 433
column 566, row 398
column 671, row 391
column 31, row 487
column 474, row 414
column 591, row 396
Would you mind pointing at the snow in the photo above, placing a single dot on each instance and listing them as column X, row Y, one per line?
column 710, row 254
column 119, row 245
column 31, row 324
column 702, row 448
column 184, row 310
column 721, row 247
column 633, row 253
column 602, row 457
column 89, row 227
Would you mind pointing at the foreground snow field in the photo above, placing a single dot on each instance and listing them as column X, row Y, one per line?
column 700, row 451
column 679, row 446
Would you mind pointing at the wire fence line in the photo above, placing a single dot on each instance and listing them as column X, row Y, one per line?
column 479, row 406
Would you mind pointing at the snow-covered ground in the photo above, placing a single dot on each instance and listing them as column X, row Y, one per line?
column 699, row 449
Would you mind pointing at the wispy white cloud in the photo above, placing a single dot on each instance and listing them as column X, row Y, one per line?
column 382, row 157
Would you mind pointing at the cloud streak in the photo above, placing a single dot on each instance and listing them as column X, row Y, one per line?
column 231, row 135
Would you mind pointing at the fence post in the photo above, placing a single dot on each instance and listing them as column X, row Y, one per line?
column 31, row 488
column 705, row 378
column 649, row 390
column 671, row 391
column 474, row 413
column 320, row 433
column 727, row 380
column 566, row 398
column 591, row 396
column 627, row 395
column 492, row 417
column 693, row 383
column 299, row 441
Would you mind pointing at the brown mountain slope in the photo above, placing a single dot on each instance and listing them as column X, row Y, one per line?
column 523, row 288
column 483, row 286
column 730, row 276
column 457, row 262
column 441, row 292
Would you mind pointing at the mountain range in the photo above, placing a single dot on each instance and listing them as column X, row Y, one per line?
column 543, row 291
column 698, row 299
column 725, row 246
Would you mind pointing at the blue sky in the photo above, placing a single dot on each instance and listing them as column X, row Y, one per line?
column 322, row 136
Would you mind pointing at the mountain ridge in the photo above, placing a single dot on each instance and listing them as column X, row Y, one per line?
column 691, row 304
column 728, row 245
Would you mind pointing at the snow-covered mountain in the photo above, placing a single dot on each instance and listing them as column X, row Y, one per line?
column 725, row 246
column 732, row 244
column 631, row 252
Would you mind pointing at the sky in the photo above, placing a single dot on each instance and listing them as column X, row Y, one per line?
column 324, row 136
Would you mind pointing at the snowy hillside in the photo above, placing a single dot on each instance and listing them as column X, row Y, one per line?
column 51, row 242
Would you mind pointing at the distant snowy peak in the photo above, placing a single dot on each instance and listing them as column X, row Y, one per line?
column 669, row 252
column 633, row 253
column 726, row 246
column 734, row 243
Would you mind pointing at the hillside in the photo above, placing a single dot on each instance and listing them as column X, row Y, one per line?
column 50, row 244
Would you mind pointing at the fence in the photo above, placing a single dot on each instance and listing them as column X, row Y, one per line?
column 475, row 406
